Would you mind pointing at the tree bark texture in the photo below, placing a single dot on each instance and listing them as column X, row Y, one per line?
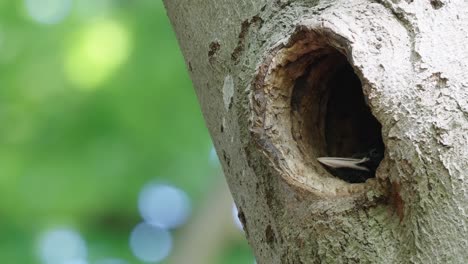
column 273, row 79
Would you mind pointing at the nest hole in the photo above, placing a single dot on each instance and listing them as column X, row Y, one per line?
column 331, row 117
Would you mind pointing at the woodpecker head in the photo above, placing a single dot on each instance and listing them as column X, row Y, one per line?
column 355, row 169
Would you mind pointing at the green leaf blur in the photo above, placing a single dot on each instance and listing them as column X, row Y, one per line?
column 91, row 109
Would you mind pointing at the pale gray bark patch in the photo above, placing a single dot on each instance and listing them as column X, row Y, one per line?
column 411, row 58
column 228, row 91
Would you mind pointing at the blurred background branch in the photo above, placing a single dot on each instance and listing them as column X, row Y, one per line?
column 196, row 245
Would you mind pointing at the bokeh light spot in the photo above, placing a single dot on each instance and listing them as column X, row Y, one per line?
column 235, row 217
column 164, row 205
column 62, row 246
column 111, row 261
column 96, row 53
column 75, row 261
column 150, row 243
column 48, row 11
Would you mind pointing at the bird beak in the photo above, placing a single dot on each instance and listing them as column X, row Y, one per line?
column 343, row 163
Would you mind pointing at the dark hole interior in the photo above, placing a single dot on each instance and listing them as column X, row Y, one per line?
column 351, row 131
column 332, row 119
column 350, row 126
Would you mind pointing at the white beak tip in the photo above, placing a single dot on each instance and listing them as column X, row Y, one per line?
column 349, row 163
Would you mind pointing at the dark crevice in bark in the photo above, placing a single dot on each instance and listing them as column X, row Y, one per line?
column 436, row 4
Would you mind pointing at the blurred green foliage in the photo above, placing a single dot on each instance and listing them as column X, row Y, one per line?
column 91, row 109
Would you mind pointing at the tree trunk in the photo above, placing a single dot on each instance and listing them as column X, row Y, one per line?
column 284, row 82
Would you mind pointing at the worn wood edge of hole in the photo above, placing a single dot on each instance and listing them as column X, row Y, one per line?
column 270, row 122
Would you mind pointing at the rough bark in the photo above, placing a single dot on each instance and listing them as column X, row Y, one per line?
column 264, row 72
